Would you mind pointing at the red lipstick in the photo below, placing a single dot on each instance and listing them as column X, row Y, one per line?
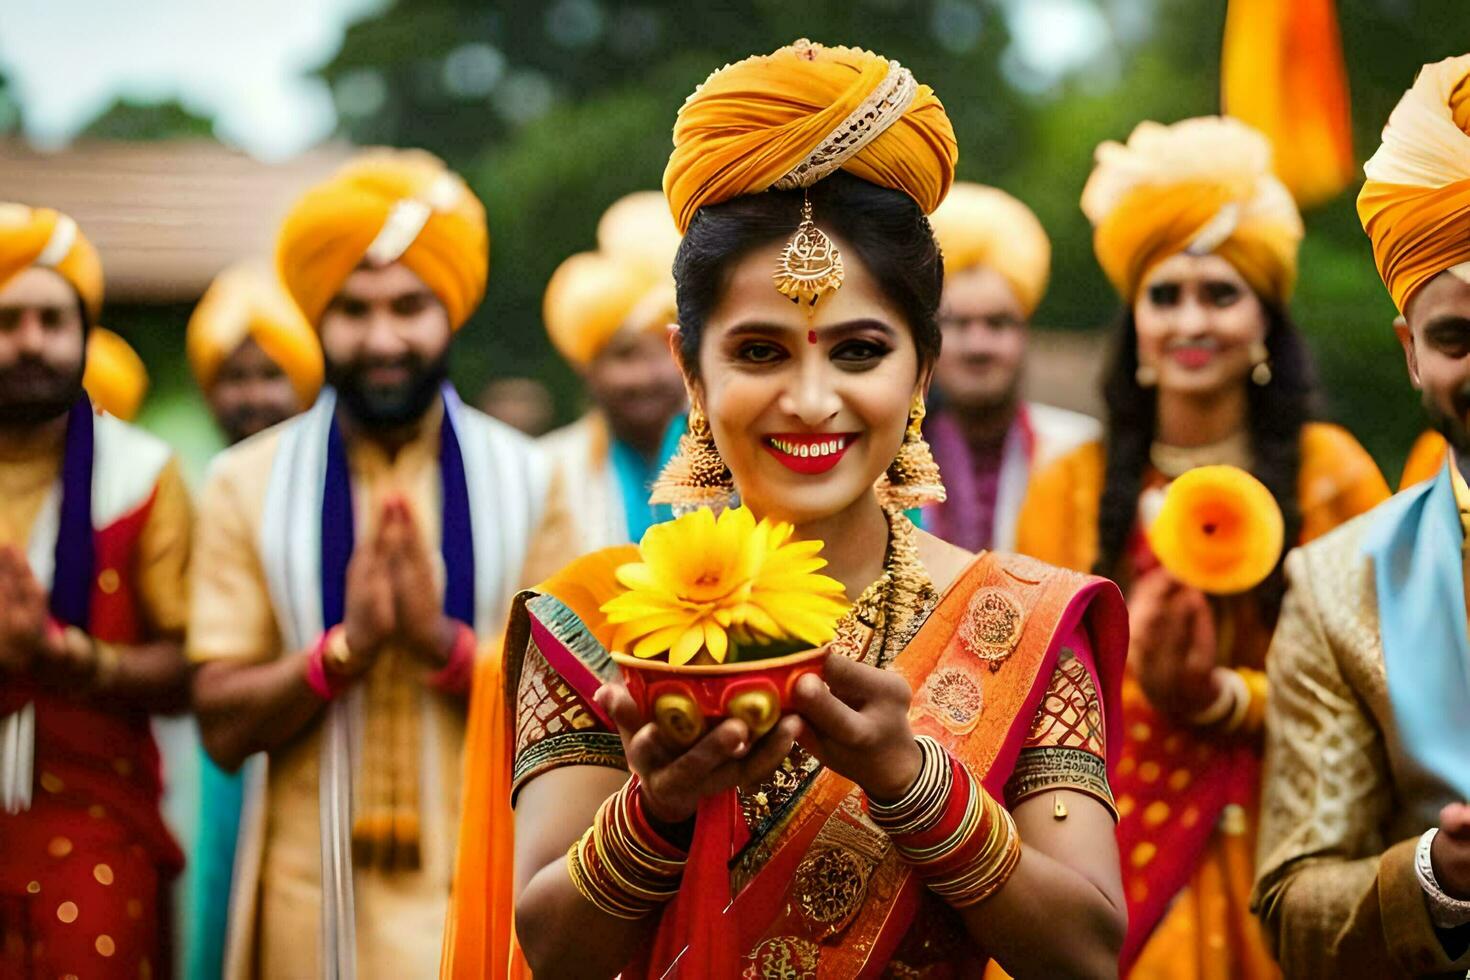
column 810, row 453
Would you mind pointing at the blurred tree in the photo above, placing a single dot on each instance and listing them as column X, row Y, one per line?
column 129, row 120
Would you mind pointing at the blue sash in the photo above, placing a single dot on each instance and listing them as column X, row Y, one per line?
column 456, row 539
column 1415, row 544
column 71, row 578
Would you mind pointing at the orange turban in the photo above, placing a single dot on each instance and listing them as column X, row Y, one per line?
column 790, row 118
column 47, row 238
column 246, row 301
column 1200, row 186
column 982, row 226
column 626, row 283
column 115, row 378
column 1415, row 204
column 383, row 207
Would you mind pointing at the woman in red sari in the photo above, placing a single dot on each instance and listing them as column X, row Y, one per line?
column 963, row 693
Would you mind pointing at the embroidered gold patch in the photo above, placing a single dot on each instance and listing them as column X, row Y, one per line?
column 782, row 958
column 955, row 698
column 992, row 626
column 830, row 885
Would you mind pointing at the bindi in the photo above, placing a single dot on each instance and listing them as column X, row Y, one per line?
column 811, row 337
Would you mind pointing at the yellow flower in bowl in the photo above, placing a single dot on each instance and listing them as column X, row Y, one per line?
column 711, row 584
column 1219, row 530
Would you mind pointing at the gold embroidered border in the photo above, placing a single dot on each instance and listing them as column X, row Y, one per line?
column 1055, row 767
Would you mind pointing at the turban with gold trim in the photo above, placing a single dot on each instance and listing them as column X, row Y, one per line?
column 626, row 283
column 1202, row 186
column 1415, row 204
column 246, row 301
column 115, row 378
column 984, row 226
column 47, row 238
column 790, row 118
column 387, row 206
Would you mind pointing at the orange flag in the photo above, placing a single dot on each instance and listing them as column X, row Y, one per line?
column 1282, row 72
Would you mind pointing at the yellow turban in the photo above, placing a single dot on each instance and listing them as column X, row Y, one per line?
column 47, row 238
column 628, row 282
column 982, row 226
column 246, row 301
column 1415, row 204
column 387, row 206
column 115, row 378
column 790, row 118
column 1201, row 186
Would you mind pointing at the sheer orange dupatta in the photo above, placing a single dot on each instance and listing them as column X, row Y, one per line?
column 479, row 931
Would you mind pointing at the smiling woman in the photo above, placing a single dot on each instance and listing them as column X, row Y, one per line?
column 949, row 777
column 1200, row 241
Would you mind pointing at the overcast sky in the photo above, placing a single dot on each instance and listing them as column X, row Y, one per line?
column 246, row 63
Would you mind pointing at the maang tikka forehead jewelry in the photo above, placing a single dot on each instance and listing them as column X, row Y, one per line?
column 811, row 264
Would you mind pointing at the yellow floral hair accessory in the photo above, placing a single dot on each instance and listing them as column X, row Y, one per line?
column 1219, row 530
column 715, row 584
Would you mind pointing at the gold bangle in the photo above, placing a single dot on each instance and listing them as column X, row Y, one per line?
column 336, row 654
column 107, row 663
column 585, row 885
column 1242, row 704
column 923, row 805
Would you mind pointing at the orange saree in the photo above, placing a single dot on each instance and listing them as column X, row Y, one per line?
column 1010, row 662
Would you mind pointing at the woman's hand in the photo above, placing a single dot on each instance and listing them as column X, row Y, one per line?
column 675, row 780
column 1173, row 646
column 857, row 724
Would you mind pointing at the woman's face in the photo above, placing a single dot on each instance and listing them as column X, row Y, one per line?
column 807, row 411
column 1197, row 319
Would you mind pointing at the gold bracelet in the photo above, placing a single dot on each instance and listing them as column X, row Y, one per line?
column 924, row 803
column 108, row 663
column 586, row 888
column 991, row 868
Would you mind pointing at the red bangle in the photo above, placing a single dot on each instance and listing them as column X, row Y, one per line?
column 455, row 676
column 326, row 687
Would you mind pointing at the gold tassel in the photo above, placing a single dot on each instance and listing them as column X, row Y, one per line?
column 912, row 479
column 696, row 476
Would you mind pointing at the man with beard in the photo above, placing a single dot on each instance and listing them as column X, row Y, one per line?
column 986, row 439
column 608, row 314
column 353, row 560
column 257, row 363
column 255, row 359
column 94, row 550
column 1364, row 847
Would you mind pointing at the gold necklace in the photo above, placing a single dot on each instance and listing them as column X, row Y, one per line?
column 1175, row 461
column 887, row 608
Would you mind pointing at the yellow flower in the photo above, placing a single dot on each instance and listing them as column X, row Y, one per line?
column 705, row 581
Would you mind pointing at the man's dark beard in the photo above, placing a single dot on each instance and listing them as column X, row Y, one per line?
column 1452, row 427
column 33, row 392
column 246, row 420
column 380, row 407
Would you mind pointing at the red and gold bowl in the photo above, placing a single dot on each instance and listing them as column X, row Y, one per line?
column 684, row 701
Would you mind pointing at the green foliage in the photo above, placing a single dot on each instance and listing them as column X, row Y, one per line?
column 127, row 120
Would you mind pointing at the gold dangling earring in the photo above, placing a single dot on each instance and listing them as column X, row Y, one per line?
column 696, row 476
column 912, row 479
column 1260, row 364
column 1146, row 375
